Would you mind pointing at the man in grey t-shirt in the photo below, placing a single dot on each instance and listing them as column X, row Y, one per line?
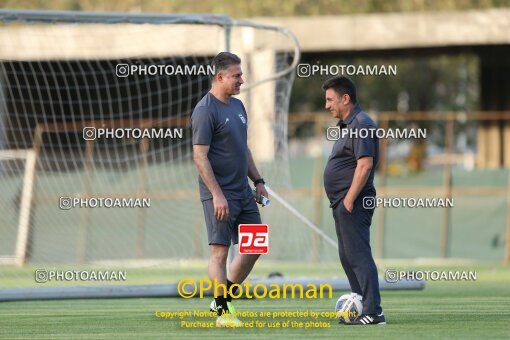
column 220, row 150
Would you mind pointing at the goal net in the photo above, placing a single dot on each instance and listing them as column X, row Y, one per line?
column 96, row 162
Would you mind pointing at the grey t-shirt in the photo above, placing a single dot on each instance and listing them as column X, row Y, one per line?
column 224, row 128
column 342, row 162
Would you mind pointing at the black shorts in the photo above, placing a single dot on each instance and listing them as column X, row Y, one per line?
column 243, row 211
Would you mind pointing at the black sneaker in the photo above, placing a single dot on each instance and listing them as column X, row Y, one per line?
column 369, row 319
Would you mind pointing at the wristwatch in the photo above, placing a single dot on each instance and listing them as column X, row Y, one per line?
column 258, row 181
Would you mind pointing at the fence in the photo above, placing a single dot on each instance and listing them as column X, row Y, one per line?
column 446, row 127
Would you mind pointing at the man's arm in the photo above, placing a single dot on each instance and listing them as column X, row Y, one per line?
column 254, row 174
column 363, row 168
column 205, row 170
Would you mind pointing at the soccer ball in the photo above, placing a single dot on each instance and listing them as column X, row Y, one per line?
column 348, row 307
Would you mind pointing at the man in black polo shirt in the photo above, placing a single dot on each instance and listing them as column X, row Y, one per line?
column 348, row 178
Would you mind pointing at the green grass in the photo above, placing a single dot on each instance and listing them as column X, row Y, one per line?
column 478, row 309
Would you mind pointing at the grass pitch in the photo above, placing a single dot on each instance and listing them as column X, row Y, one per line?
column 479, row 309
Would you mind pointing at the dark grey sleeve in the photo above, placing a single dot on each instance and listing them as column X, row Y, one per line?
column 202, row 126
column 364, row 147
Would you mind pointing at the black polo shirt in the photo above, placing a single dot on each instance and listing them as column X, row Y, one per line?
column 342, row 162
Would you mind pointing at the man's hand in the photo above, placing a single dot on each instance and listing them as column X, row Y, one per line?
column 348, row 204
column 361, row 174
column 220, row 204
column 206, row 173
column 254, row 174
column 261, row 190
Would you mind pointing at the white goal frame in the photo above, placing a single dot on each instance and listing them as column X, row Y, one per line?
column 30, row 157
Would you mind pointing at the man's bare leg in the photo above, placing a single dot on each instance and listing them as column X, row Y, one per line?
column 241, row 267
column 218, row 263
column 218, row 271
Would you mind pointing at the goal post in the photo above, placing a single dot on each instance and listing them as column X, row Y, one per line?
column 28, row 157
column 24, row 212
